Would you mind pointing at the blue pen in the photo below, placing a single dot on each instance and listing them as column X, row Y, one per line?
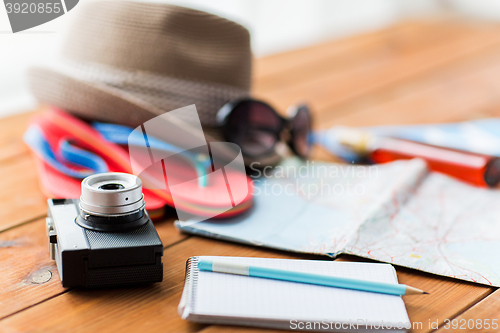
column 323, row 280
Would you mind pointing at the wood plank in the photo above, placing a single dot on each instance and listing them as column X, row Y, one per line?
column 302, row 65
column 20, row 199
column 151, row 309
column 28, row 276
column 303, row 62
column 157, row 307
column 13, row 127
column 448, row 297
column 334, row 88
column 232, row 329
column 474, row 319
column 435, row 82
column 11, row 150
column 458, row 93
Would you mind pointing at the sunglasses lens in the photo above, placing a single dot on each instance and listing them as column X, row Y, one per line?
column 254, row 126
column 301, row 131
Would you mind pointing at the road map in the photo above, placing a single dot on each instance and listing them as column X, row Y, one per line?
column 396, row 212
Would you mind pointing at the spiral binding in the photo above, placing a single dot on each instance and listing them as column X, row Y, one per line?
column 187, row 303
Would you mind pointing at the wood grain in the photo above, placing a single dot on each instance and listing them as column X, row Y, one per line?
column 25, row 263
column 414, row 72
column 152, row 309
column 162, row 300
column 475, row 318
column 392, row 67
column 12, row 128
column 230, row 329
column 24, row 259
column 448, row 297
column 308, row 63
column 463, row 92
column 20, row 199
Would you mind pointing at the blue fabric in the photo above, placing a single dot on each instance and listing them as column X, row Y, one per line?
column 76, row 156
column 82, row 158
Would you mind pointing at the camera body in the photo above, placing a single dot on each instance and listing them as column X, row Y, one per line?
column 106, row 238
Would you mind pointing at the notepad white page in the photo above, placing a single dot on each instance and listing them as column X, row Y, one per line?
column 226, row 295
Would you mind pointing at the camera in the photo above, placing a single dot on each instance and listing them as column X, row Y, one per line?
column 105, row 238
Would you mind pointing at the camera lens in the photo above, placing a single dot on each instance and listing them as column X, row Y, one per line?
column 111, row 193
column 111, row 201
column 110, row 187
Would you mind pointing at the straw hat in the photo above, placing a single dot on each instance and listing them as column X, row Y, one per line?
column 127, row 62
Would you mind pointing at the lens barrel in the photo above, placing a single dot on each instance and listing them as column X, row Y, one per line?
column 111, row 201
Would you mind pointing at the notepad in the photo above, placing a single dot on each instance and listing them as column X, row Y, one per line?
column 219, row 298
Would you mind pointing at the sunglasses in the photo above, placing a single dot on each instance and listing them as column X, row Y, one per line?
column 257, row 128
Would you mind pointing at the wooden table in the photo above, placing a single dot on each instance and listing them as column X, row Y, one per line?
column 415, row 72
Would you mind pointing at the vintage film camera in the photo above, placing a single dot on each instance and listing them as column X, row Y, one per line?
column 106, row 238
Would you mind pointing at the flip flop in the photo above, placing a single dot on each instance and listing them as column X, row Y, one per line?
column 68, row 149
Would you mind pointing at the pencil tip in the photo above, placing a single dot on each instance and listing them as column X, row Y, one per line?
column 425, row 293
column 414, row 291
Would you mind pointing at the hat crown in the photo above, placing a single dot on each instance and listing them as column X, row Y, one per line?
column 162, row 39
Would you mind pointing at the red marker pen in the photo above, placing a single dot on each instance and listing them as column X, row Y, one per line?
column 477, row 169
